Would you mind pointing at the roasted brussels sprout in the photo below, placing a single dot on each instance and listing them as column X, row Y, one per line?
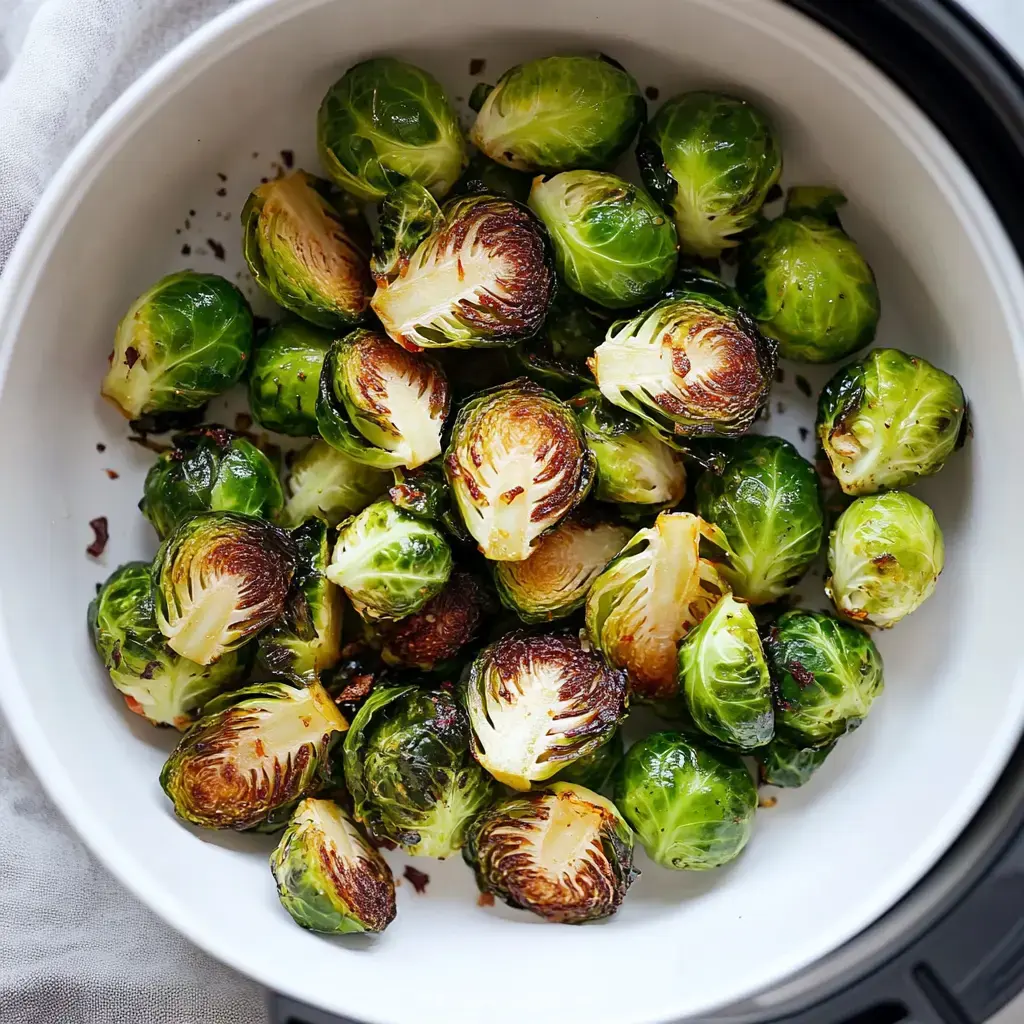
column 825, row 675
column 285, row 377
column 806, row 283
column 696, row 278
column 788, row 765
column 329, row 878
column 517, row 465
column 692, row 809
column 767, row 501
column 885, row 554
column 553, row 582
column 380, row 404
column 689, row 365
column 384, row 122
column 252, row 756
column 563, row 852
column 219, row 579
column 724, row 678
column 405, row 218
column 597, row 769
column 422, row 491
column 612, row 243
column 710, row 160
column 389, row 563
column 642, row 605
column 307, row 639
column 560, row 114
column 183, row 341
column 482, row 277
column 156, row 683
column 537, row 703
column 486, row 175
column 635, row 468
column 301, row 255
column 408, row 767
column 330, row 484
column 210, row 469
column 888, row 420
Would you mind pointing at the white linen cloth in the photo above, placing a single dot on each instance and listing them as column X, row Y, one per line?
column 75, row 947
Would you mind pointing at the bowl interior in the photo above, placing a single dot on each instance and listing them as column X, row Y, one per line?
column 159, row 186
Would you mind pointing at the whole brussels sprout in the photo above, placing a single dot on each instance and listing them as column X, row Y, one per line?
column 385, row 121
column 307, row 639
column 517, row 465
column 181, row 343
column 767, row 501
column 559, row 114
column 486, row 175
column 161, row 686
column 405, row 217
column 806, row 283
column 562, row 852
column 252, row 756
column 826, row 674
column 642, row 605
column 710, row 160
column 329, row 484
column 329, row 878
column 301, row 254
column 408, row 767
column 389, row 563
column 612, row 243
column 285, row 377
column 692, row 809
column 210, row 469
column 219, row 579
column 635, row 468
column 724, row 678
column 482, row 277
column 597, row 769
column 380, row 404
column 689, row 365
column 537, row 703
column 888, row 420
column 788, row 765
column 885, row 554
column 553, row 582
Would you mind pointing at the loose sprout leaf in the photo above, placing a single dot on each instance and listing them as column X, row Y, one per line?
column 406, row 216
column 327, row 483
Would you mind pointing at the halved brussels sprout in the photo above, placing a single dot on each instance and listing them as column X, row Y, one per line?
column 517, row 465
column 389, row 563
column 329, row 484
column 826, row 674
column 285, row 377
column 405, row 217
column 888, row 420
column 486, row 175
column 183, row 341
column 724, row 678
column 612, row 243
column 482, row 277
column 252, row 756
column 380, row 404
column 537, row 703
column 563, row 853
column 767, row 501
column 559, row 114
column 688, row 365
column 384, row 122
column 219, row 579
column 210, row 469
column 156, row 683
column 635, row 468
column 885, row 554
column 806, row 283
column 789, row 765
column 553, row 582
column 408, row 767
column 710, row 160
column 300, row 253
column 422, row 491
column 692, row 809
column 597, row 769
column 307, row 639
column 329, row 878
column 647, row 599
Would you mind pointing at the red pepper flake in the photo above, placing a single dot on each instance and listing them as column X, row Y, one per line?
column 216, row 248
column 191, row 213
column 222, row 191
column 101, row 535
column 357, row 689
column 803, row 385
column 804, row 433
column 222, row 176
column 418, row 879
column 112, row 474
column 381, row 844
column 288, row 158
column 803, row 676
column 261, row 751
column 131, row 356
column 100, row 446
column 485, row 899
column 149, row 670
column 477, row 65
column 767, row 801
column 186, row 250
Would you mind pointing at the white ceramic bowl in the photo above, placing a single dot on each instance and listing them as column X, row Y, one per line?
column 828, row 859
